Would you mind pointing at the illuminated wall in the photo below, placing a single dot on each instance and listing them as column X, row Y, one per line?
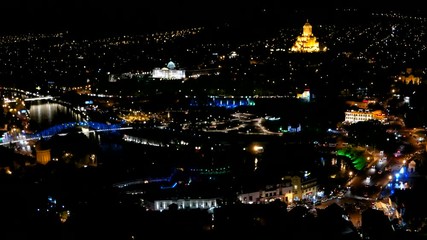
column 43, row 156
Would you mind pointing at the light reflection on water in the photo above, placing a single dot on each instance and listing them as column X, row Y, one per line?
column 47, row 114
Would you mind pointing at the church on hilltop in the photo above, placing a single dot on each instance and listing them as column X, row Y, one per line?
column 307, row 42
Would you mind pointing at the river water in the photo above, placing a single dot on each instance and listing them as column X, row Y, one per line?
column 111, row 150
column 46, row 114
column 132, row 160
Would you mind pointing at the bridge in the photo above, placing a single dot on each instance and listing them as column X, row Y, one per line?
column 95, row 126
column 58, row 129
column 29, row 96
column 31, row 99
column 39, row 98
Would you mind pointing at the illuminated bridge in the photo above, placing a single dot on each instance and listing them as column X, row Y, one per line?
column 95, row 126
column 27, row 95
column 38, row 98
column 58, row 129
column 31, row 99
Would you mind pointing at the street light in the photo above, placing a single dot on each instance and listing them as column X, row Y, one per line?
column 258, row 148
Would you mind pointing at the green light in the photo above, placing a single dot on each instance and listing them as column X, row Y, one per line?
column 356, row 157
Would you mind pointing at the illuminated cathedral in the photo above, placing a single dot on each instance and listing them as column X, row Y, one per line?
column 307, row 42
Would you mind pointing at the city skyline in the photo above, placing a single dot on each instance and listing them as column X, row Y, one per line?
column 238, row 125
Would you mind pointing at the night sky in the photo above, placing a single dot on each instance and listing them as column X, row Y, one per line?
column 97, row 15
column 91, row 16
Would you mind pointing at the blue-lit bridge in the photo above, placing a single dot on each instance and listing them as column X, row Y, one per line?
column 60, row 128
column 95, row 126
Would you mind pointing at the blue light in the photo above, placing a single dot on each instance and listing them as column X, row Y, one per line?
column 397, row 175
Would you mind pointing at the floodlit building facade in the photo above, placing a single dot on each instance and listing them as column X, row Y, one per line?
column 160, row 205
column 269, row 194
column 363, row 115
column 307, row 42
column 169, row 72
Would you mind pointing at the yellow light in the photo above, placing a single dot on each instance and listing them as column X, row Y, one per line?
column 258, row 148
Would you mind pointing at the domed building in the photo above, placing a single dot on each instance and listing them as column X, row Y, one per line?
column 307, row 42
column 169, row 72
column 171, row 65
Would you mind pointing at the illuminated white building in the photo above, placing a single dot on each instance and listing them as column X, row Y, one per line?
column 160, row 205
column 169, row 72
column 282, row 193
column 293, row 188
column 363, row 115
column 303, row 188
